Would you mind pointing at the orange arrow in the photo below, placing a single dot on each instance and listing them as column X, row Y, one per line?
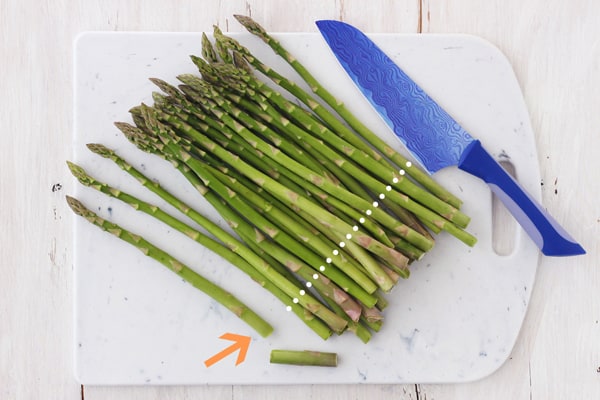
column 241, row 342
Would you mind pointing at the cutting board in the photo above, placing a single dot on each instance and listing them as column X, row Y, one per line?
column 455, row 319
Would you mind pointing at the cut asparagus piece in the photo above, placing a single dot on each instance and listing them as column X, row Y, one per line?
column 305, row 357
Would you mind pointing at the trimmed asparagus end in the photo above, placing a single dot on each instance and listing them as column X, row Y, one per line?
column 315, row 358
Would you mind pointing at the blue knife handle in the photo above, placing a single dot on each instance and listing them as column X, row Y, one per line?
column 547, row 234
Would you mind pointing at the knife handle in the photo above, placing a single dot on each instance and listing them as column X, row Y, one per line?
column 547, row 234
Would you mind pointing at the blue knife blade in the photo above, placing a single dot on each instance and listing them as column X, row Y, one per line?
column 433, row 136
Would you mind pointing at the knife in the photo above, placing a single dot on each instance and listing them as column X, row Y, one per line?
column 433, row 136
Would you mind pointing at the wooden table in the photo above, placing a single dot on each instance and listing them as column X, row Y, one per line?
column 554, row 47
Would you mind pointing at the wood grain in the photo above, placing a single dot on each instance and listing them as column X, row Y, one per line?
column 555, row 51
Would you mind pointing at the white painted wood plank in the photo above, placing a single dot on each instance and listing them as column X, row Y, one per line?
column 35, row 268
column 331, row 392
column 158, row 392
column 554, row 49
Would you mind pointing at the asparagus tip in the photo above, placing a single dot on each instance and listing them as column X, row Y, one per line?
column 160, row 100
column 165, row 87
column 78, row 172
column 196, row 59
column 217, row 31
column 128, row 130
column 254, row 28
column 149, row 115
column 100, row 149
column 136, row 110
column 240, row 62
column 250, row 24
column 77, row 206
column 186, row 78
column 208, row 51
column 135, row 135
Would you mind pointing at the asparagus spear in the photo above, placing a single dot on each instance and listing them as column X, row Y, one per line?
column 315, row 358
column 271, row 139
column 217, row 293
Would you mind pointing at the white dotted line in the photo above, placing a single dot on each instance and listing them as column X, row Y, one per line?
column 342, row 244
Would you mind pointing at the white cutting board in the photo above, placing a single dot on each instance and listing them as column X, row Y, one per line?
column 456, row 318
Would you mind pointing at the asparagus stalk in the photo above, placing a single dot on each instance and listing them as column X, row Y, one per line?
column 295, row 185
column 199, row 282
column 315, row 358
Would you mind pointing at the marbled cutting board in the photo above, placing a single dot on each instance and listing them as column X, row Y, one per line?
column 456, row 318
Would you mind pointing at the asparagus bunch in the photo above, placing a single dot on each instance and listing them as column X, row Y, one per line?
column 327, row 217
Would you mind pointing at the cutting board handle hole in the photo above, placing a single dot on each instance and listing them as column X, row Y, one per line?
column 504, row 225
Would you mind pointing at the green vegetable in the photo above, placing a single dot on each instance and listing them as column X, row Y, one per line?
column 324, row 215
column 217, row 293
column 294, row 357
